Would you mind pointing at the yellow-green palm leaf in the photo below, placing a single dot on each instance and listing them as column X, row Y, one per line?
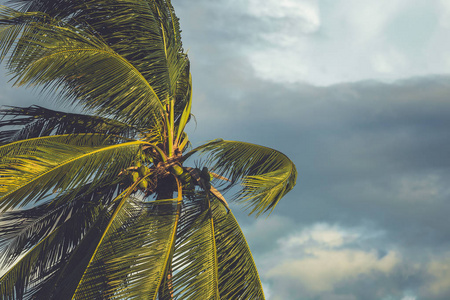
column 36, row 121
column 266, row 175
column 130, row 260
column 238, row 276
column 195, row 259
column 29, row 169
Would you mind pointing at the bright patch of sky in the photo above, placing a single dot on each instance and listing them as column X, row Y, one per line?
column 321, row 257
column 325, row 261
column 325, row 42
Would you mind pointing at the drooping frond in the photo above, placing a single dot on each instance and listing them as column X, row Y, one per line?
column 61, row 282
column 85, row 69
column 29, row 169
column 238, row 277
column 147, row 33
column 12, row 25
column 130, row 260
column 195, row 263
column 212, row 259
column 23, row 229
column 37, row 121
column 45, row 257
column 265, row 174
column 123, row 50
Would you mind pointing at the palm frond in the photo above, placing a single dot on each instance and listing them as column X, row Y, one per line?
column 63, row 281
column 39, row 263
column 36, row 121
column 23, row 229
column 59, row 274
column 131, row 258
column 238, row 277
column 48, row 6
column 145, row 34
column 31, row 168
column 83, row 68
column 13, row 25
column 183, row 92
column 153, row 29
column 195, row 261
column 266, row 175
column 186, row 114
column 63, row 277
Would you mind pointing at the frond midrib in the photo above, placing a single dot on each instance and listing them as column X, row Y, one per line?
column 111, row 53
column 64, row 163
column 172, row 238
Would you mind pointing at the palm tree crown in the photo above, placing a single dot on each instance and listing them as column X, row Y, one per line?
column 102, row 204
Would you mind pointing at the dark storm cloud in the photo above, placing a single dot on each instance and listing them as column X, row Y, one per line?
column 357, row 146
column 367, row 153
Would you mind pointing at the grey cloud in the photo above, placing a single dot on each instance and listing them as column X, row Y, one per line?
column 355, row 144
column 367, row 152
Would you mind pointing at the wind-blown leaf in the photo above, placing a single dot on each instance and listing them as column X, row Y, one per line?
column 38, row 121
column 139, row 56
column 61, row 283
column 31, row 168
column 195, row 261
column 86, row 69
column 12, row 25
column 97, row 218
column 38, row 263
column 131, row 258
column 23, row 229
column 238, row 277
column 184, row 118
column 265, row 174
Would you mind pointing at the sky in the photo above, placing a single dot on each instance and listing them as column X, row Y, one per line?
column 356, row 93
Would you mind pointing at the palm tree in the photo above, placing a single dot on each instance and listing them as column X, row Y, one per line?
column 100, row 203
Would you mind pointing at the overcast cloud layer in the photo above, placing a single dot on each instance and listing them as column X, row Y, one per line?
column 356, row 93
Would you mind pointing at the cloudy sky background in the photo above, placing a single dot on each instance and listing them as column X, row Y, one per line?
column 356, row 93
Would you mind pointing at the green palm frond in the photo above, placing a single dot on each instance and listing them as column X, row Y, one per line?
column 29, row 169
column 195, row 261
column 265, row 174
column 12, row 25
column 155, row 133
column 183, row 92
column 140, row 42
column 130, row 260
column 238, row 277
column 142, row 31
column 39, row 262
column 61, row 281
column 64, row 278
column 186, row 115
column 152, row 28
column 84, row 68
column 23, row 229
column 37, row 121
column 52, row 8
column 212, row 259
